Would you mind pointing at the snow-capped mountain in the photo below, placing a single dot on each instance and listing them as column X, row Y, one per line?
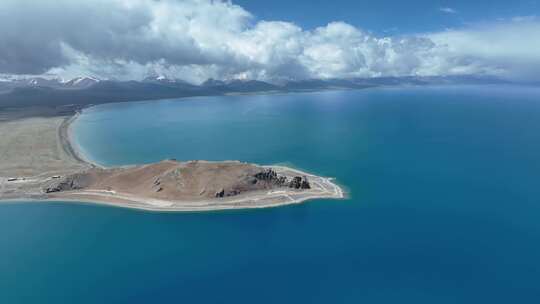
column 9, row 83
column 86, row 90
column 81, row 82
column 162, row 79
column 43, row 82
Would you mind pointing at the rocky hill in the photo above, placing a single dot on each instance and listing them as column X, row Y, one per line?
column 173, row 180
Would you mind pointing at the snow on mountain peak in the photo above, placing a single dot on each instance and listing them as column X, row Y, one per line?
column 82, row 81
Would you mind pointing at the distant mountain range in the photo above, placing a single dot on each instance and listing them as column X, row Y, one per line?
column 55, row 83
column 84, row 91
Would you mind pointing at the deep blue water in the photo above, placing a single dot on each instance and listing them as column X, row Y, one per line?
column 444, row 204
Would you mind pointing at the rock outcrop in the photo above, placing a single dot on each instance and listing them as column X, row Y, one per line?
column 263, row 180
column 73, row 182
column 270, row 177
column 300, row 183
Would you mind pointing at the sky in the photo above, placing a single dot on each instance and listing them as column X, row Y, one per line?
column 277, row 40
column 390, row 16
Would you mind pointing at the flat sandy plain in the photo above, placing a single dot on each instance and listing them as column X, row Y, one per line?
column 35, row 151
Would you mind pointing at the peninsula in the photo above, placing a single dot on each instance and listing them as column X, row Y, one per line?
column 39, row 162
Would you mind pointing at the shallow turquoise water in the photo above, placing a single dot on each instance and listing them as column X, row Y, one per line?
column 444, row 207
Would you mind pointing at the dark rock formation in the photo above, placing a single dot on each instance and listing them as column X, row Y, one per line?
column 267, row 174
column 220, row 193
column 226, row 193
column 264, row 180
column 73, row 182
column 305, row 183
column 157, row 185
column 300, row 183
column 271, row 178
column 296, row 182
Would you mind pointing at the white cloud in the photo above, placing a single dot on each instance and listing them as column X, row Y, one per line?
column 448, row 10
column 507, row 49
column 198, row 39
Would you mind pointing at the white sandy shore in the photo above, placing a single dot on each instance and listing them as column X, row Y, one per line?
column 322, row 188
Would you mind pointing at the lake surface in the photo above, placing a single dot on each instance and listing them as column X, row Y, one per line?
column 444, row 204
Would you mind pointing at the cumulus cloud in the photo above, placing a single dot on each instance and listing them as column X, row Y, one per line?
column 199, row 39
column 504, row 49
column 46, row 33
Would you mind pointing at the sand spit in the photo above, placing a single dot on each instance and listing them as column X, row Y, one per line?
column 39, row 162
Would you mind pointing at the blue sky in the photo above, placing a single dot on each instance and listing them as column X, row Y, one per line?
column 383, row 16
column 194, row 40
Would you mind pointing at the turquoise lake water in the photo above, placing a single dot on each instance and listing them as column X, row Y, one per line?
column 444, row 204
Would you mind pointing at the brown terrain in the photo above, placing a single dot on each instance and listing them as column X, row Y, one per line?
column 171, row 180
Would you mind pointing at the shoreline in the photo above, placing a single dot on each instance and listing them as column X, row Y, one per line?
column 66, row 139
column 324, row 188
column 69, row 144
column 131, row 205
